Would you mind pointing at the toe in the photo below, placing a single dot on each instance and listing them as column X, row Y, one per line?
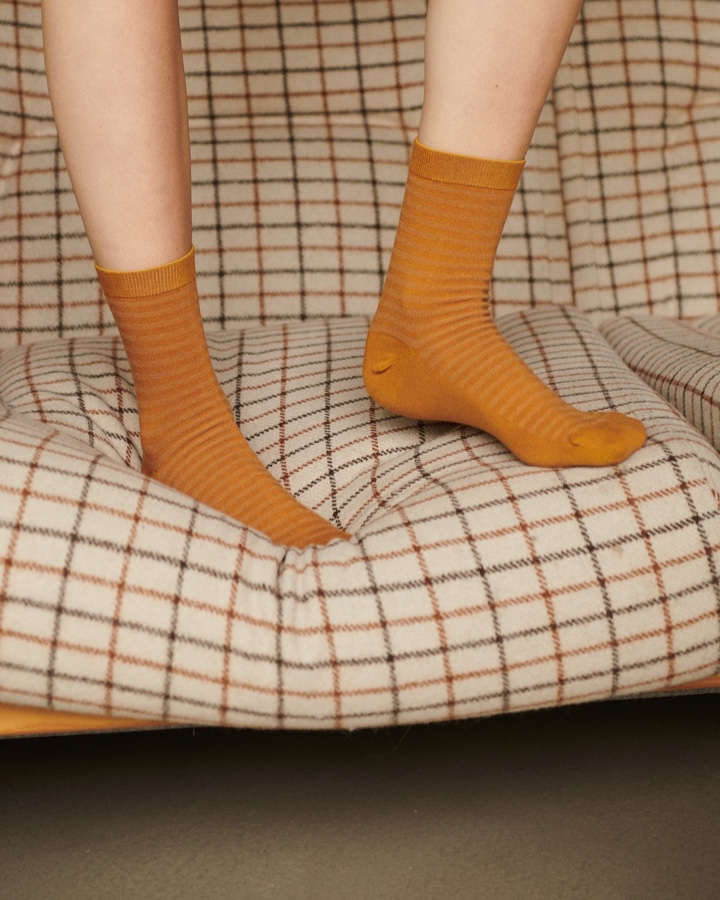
column 609, row 440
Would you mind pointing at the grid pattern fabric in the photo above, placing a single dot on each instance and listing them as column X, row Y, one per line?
column 680, row 360
column 472, row 585
column 628, row 152
column 637, row 102
column 302, row 118
column 255, row 59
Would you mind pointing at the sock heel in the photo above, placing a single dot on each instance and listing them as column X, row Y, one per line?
column 383, row 351
column 383, row 371
column 397, row 380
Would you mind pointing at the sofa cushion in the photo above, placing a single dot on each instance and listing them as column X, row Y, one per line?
column 680, row 360
column 472, row 585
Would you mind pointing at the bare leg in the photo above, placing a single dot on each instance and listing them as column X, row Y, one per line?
column 489, row 65
column 117, row 87
column 433, row 350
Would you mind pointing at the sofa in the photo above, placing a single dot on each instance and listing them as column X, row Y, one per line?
column 473, row 585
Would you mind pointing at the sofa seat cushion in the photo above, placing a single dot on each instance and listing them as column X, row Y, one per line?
column 680, row 360
column 472, row 585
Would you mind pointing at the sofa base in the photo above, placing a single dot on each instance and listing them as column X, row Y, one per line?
column 26, row 721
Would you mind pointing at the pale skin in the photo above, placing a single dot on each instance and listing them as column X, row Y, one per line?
column 117, row 87
column 489, row 66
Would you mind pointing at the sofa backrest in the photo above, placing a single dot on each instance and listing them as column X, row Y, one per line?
column 637, row 103
column 254, row 58
column 302, row 115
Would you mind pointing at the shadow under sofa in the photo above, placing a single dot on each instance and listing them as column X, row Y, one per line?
column 473, row 585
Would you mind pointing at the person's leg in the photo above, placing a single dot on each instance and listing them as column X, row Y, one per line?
column 489, row 66
column 117, row 87
column 433, row 351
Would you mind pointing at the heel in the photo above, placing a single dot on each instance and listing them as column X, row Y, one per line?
column 382, row 375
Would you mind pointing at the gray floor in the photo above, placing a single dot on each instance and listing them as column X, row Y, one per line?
column 615, row 800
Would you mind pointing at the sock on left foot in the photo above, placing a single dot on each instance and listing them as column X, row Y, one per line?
column 433, row 350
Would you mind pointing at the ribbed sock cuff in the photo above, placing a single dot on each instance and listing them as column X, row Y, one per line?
column 148, row 282
column 452, row 168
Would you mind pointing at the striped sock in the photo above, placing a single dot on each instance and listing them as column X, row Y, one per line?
column 189, row 437
column 433, row 350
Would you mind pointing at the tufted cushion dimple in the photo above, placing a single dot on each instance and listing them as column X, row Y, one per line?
column 472, row 585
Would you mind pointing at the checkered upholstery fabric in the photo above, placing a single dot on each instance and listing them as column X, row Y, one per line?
column 680, row 360
column 637, row 104
column 473, row 584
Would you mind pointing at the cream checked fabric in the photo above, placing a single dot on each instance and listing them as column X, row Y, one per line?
column 680, row 360
column 473, row 584
column 637, row 104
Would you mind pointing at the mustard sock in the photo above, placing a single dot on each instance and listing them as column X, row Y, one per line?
column 189, row 437
column 433, row 351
